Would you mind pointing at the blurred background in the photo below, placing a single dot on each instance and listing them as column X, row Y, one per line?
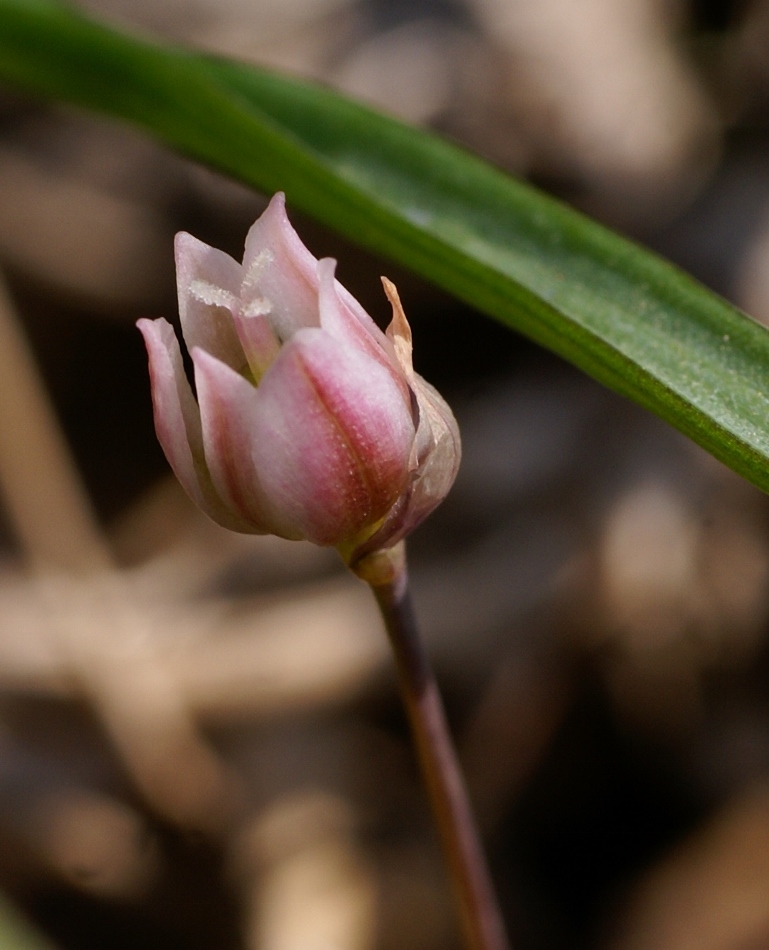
column 203, row 748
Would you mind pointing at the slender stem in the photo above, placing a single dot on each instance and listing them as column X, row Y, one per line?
column 469, row 873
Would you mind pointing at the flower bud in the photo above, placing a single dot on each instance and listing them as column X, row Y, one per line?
column 309, row 421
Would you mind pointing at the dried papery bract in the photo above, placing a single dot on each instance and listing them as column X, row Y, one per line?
column 311, row 423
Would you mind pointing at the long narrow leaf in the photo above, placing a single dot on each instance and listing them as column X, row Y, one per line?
column 631, row 320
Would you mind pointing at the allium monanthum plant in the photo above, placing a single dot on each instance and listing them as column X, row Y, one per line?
column 310, row 423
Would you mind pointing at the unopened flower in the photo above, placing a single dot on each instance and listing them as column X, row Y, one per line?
column 309, row 421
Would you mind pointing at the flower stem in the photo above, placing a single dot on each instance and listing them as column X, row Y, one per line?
column 481, row 918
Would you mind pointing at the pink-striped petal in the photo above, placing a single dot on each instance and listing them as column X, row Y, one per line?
column 436, row 451
column 332, row 438
column 338, row 319
column 435, row 459
column 279, row 277
column 177, row 421
column 228, row 411
column 208, row 284
column 364, row 319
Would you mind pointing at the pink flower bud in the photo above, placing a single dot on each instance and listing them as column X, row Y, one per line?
column 309, row 421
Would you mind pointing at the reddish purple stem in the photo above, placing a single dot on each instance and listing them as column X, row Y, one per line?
column 479, row 911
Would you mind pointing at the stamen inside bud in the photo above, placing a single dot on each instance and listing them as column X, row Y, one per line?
column 258, row 307
column 256, row 269
column 212, row 295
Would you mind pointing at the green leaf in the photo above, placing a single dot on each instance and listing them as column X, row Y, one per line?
column 623, row 315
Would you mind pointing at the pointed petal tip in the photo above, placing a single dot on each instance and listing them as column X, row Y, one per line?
column 184, row 243
column 334, row 316
column 196, row 258
column 144, row 326
column 326, row 269
column 202, row 359
column 273, row 231
column 156, row 333
column 207, row 365
column 275, row 212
